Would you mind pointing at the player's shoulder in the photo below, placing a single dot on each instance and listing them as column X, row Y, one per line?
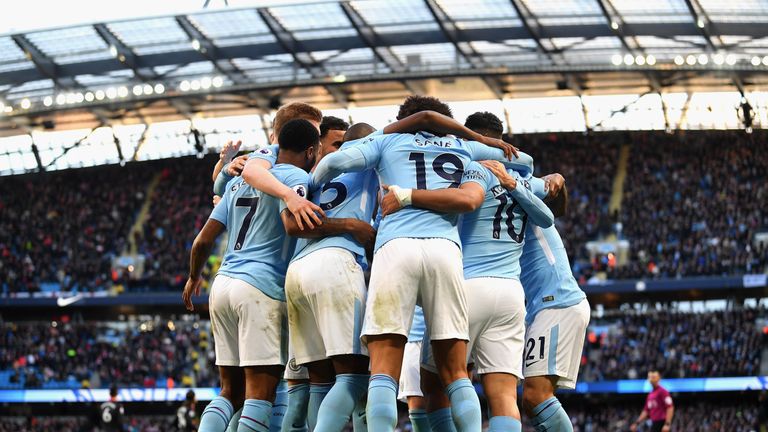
column 476, row 171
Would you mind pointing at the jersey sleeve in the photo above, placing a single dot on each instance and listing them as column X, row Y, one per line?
column 474, row 172
column 296, row 179
column 478, row 152
column 537, row 186
column 667, row 400
column 268, row 153
column 221, row 211
column 537, row 211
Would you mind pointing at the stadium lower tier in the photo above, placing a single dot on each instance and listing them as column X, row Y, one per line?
column 165, row 353
column 586, row 416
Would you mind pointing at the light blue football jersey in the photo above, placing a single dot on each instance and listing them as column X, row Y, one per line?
column 493, row 235
column 220, row 184
column 416, row 161
column 350, row 195
column 546, row 272
column 418, row 326
column 258, row 249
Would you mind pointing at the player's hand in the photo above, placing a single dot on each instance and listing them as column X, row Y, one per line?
column 216, row 200
column 554, row 183
column 365, row 235
column 229, row 150
column 305, row 212
column 389, row 204
column 507, row 181
column 192, row 287
column 633, row 427
column 665, row 428
column 235, row 168
column 509, row 150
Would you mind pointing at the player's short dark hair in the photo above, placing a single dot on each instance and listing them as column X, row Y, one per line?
column 190, row 395
column 485, row 123
column 357, row 131
column 113, row 390
column 332, row 123
column 413, row 104
column 298, row 135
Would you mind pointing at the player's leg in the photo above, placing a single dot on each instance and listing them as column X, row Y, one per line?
column 396, row 271
column 445, row 312
column 410, row 387
column 262, row 352
column 297, row 403
column 439, row 410
column 351, row 384
column 297, row 376
column 497, row 330
column 219, row 411
column 330, row 308
column 417, row 414
column 554, row 342
column 260, row 388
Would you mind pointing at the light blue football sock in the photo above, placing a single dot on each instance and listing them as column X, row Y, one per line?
column 441, row 420
column 550, row 416
column 338, row 406
column 317, row 393
column 279, row 406
column 359, row 420
column 465, row 405
column 295, row 419
column 504, row 424
column 255, row 416
column 234, row 421
column 419, row 420
column 381, row 409
column 216, row 415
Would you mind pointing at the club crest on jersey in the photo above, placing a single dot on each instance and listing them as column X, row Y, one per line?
column 300, row 191
column 266, row 152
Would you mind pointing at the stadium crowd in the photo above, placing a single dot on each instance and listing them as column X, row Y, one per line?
column 63, row 354
column 66, row 228
column 589, row 185
column 704, row 213
column 693, row 202
column 180, row 205
column 683, row 345
column 39, row 354
column 739, row 416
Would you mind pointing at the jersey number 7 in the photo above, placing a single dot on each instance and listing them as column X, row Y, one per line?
column 253, row 204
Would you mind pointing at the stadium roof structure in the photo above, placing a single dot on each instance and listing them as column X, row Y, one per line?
column 337, row 54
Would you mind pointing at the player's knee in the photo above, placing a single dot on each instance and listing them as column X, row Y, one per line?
column 535, row 391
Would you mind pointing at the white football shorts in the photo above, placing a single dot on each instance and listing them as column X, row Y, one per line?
column 325, row 292
column 249, row 327
column 554, row 343
column 427, row 270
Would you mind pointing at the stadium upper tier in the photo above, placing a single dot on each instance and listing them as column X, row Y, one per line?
column 692, row 205
column 363, row 52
